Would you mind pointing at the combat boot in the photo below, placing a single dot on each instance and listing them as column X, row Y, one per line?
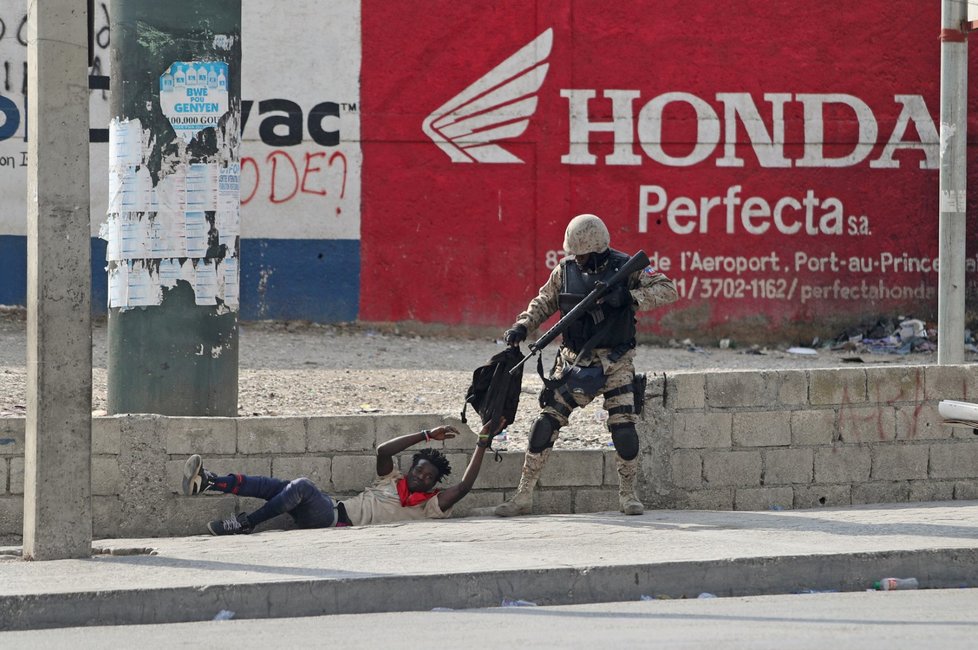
column 522, row 502
column 628, row 500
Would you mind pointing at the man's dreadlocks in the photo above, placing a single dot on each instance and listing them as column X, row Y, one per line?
column 434, row 457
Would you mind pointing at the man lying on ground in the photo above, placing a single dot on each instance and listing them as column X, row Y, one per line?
column 393, row 496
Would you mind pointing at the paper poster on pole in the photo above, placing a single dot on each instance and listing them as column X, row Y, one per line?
column 194, row 95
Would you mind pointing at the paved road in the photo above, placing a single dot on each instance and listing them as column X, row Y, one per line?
column 908, row 620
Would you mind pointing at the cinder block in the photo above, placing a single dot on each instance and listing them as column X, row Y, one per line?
column 270, row 435
column 702, row 430
column 502, row 475
column 816, row 496
column 867, row 423
column 685, row 390
column 921, row 422
column 953, row 460
column 11, row 515
column 205, row 436
column 342, row 433
column 837, row 386
column 962, row 433
column 468, row 435
column 959, row 382
column 190, row 516
column 611, row 467
column 764, row 498
column 392, row 426
column 12, row 431
column 16, row 476
column 107, row 517
column 794, row 387
column 842, row 464
column 106, row 477
column 315, row 468
column 107, row 435
column 555, row 501
column 716, row 499
column 762, row 429
column 888, row 492
column 732, row 468
column 353, row 473
column 753, row 388
column 568, row 467
column 900, row 462
column 783, row 466
column 813, row 427
column 928, row 490
column 895, row 384
column 687, row 470
column 966, row 490
column 596, row 501
column 475, row 500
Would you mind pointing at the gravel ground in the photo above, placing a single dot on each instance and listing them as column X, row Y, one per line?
column 306, row 369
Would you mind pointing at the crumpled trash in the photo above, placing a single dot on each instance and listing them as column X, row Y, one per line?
column 508, row 602
column 368, row 408
column 224, row 615
column 706, row 594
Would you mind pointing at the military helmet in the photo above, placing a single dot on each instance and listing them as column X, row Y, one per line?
column 586, row 233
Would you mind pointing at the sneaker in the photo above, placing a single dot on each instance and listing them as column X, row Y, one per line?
column 237, row 525
column 195, row 478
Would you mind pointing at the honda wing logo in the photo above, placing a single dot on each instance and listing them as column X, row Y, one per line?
column 496, row 107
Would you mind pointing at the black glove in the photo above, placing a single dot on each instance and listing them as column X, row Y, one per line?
column 515, row 335
column 618, row 296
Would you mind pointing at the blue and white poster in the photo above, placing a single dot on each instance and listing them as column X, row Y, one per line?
column 194, row 96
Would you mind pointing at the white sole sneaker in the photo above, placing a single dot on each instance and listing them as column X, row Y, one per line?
column 193, row 476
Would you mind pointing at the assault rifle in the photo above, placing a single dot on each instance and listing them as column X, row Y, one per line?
column 636, row 262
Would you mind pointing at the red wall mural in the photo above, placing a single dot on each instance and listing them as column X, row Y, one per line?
column 778, row 160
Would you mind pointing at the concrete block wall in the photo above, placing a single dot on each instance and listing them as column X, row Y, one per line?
column 137, row 463
column 808, row 438
column 723, row 440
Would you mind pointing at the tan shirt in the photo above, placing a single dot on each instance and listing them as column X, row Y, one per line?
column 380, row 504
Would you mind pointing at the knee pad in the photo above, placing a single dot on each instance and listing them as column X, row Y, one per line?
column 542, row 433
column 626, row 440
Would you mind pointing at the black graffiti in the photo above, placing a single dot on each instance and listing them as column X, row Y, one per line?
column 283, row 127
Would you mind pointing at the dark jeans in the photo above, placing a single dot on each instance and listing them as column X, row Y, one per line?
column 300, row 498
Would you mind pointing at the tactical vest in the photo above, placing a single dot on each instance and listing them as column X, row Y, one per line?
column 616, row 326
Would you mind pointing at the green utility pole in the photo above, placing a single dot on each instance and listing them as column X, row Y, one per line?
column 173, row 218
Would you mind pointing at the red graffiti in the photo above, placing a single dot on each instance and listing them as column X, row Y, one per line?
column 279, row 179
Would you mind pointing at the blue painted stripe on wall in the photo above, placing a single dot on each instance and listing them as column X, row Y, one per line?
column 281, row 279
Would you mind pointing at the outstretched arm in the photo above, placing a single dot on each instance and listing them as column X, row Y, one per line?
column 450, row 496
column 387, row 451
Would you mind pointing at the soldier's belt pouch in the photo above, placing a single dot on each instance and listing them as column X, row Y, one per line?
column 588, row 381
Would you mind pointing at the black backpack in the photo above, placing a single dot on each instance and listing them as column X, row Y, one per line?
column 494, row 392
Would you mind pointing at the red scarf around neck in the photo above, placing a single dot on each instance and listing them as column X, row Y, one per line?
column 409, row 498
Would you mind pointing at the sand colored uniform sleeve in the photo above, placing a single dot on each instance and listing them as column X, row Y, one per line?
column 380, row 504
column 545, row 304
column 651, row 289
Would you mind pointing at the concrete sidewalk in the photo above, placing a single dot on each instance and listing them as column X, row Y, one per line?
column 477, row 562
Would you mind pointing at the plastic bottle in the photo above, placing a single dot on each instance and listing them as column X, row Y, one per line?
column 892, row 584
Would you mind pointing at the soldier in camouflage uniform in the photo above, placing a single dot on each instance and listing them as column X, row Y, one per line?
column 605, row 341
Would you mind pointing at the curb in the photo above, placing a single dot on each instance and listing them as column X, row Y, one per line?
column 934, row 568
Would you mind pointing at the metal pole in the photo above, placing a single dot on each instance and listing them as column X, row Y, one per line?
column 173, row 219
column 953, row 182
column 58, row 445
